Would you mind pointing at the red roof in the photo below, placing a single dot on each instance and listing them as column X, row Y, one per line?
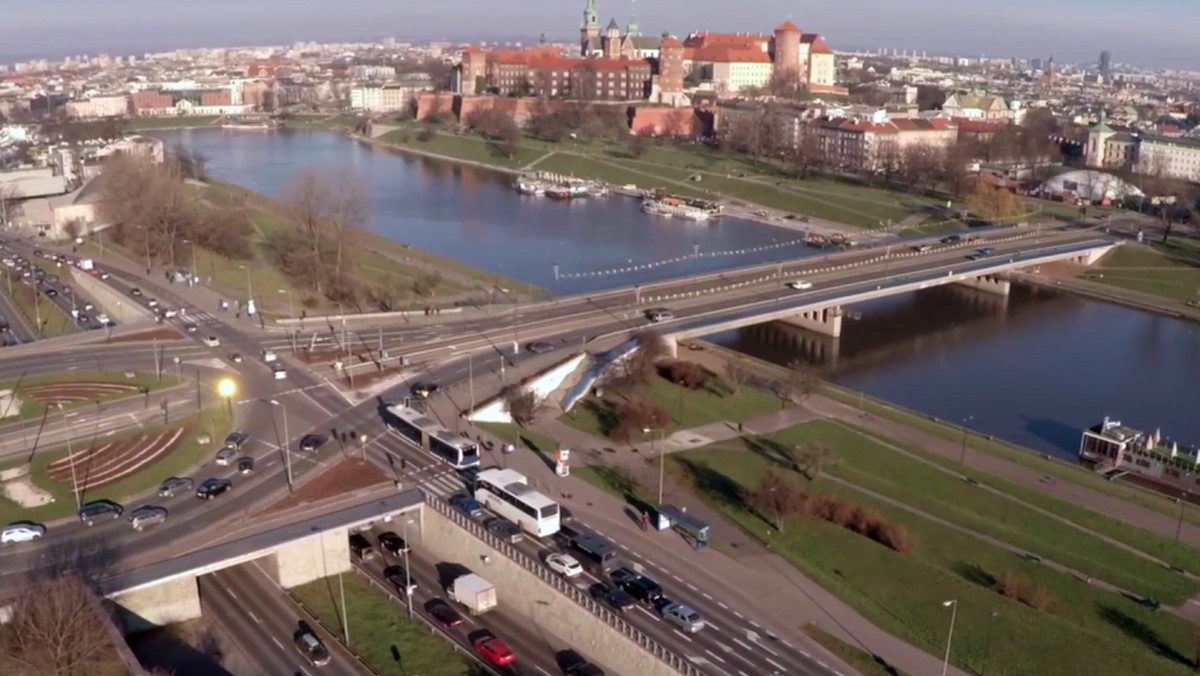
column 670, row 42
column 725, row 54
column 969, row 126
column 787, row 27
column 746, row 41
column 816, row 44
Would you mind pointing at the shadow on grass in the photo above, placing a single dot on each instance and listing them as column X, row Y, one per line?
column 772, row 451
column 975, row 575
column 712, row 485
column 605, row 412
column 543, row 453
column 1139, row 631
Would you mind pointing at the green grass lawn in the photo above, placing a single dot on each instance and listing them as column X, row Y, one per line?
column 861, row 660
column 187, row 456
column 687, row 408
column 464, row 147
column 1020, row 455
column 333, row 122
column 31, row 408
column 865, row 463
column 521, row 437
column 1148, row 270
column 34, row 306
column 1081, row 629
column 171, row 122
column 1155, row 544
column 376, row 625
column 578, row 165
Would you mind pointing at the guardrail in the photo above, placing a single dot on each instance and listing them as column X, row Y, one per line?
column 655, row 648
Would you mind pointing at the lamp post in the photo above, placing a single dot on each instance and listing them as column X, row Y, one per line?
column 71, row 460
column 987, row 654
column 407, row 580
column 195, row 269
column 661, row 457
column 227, row 388
column 952, row 604
column 291, row 307
column 287, row 442
column 962, row 456
column 1179, row 526
column 249, row 286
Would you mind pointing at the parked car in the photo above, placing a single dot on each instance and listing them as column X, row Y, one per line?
column 310, row 443
column 495, row 651
column 245, row 465
column 615, row 598
column 174, row 486
column 361, row 548
column 212, row 488
column 147, row 515
column 225, row 455
column 564, row 564
column 100, row 510
column 310, row 646
column 26, row 531
column 684, row 617
column 393, row 544
column 445, row 615
column 467, row 505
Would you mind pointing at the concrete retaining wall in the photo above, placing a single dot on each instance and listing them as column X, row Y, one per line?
column 551, row 603
column 172, row 601
column 312, row 558
column 119, row 308
column 542, row 385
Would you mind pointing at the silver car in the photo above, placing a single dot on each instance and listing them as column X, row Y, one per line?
column 684, row 617
column 147, row 515
column 22, row 532
column 174, row 486
column 225, row 455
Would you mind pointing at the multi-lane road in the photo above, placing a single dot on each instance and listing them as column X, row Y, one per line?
column 726, row 648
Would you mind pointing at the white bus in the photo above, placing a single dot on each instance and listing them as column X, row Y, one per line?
column 508, row 494
column 421, row 430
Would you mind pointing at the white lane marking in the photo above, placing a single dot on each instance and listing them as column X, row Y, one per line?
column 691, row 586
column 253, row 617
column 705, row 595
column 779, row 666
column 715, row 656
column 682, row 635
column 805, row 653
column 544, row 671
column 739, row 615
column 648, row 613
column 757, row 625
column 739, row 642
column 822, row 664
column 277, row 642
column 722, row 605
column 760, row 645
column 230, row 592
column 785, row 642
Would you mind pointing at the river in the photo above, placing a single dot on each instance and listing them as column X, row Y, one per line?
column 1035, row 368
column 474, row 216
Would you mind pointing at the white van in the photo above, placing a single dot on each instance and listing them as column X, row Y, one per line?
column 269, row 356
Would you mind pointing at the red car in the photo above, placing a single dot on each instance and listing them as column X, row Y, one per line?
column 495, row 651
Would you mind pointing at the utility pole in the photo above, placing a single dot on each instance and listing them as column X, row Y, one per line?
column 345, row 617
column 471, row 378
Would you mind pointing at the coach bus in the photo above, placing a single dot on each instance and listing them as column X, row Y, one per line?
column 508, row 494
column 421, row 430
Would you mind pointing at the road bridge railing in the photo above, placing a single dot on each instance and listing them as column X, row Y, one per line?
column 672, row 659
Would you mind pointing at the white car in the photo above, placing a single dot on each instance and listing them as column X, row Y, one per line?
column 103, row 319
column 800, row 285
column 22, row 532
column 279, row 372
column 564, row 564
column 212, row 341
column 225, row 455
column 170, row 313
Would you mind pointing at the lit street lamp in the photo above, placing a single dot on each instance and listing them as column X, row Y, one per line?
column 227, row 388
column 952, row 604
column 662, row 453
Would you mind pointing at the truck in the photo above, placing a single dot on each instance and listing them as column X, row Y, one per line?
column 475, row 593
column 86, row 264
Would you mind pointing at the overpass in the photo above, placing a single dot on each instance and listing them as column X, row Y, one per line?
column 820, row 308
column 296, row 554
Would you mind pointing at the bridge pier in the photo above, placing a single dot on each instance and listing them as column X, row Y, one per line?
column 164, row 603
column 826, row 321
column 997, row 284
column 311, row 558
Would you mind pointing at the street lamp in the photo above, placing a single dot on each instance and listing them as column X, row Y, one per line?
column 291, row 308
column 962, row 457
column 195, row 270
column 952, row 604
column 71, row 459
column 287, row 442
column 227, row 388
column 987, row 655
column 407, row 580
column 661, row 457
column 249, row 286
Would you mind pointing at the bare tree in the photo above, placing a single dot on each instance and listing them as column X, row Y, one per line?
column 641, row 366
column 328, row 209
column 736, row 374
column 521, row 405
column 774, row 498
column 57, row 629
column 10, row 196
column 813, row 460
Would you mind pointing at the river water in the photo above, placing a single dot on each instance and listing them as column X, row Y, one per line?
column 474, row 215
column 1035, row 368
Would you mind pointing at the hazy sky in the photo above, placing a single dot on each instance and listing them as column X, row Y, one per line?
column 1148, row 32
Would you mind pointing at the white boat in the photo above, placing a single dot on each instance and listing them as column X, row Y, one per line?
column 673, row 208
column 528, row 187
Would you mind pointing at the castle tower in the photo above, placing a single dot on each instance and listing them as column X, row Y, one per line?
column 590, row 30
column 612, row 40
column 473, row 71
column 670, row 67
column 1098, row 137
column 787, row 49
column 632, row 29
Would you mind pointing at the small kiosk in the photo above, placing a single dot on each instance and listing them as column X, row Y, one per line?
column 695, row 530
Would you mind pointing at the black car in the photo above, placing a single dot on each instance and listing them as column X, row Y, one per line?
column 643, row 589
column 212, row 488
column 361, row 547
column 622, row 575
column 612, row 596
column 951, row 239
column 444, row 614
column 505, row 530
column 661, row 603
column 236, row 439
column 135, row 291
column 424, row 390
column 311, row 443
column 539, row 347
column 245, row 465
column 573, row 664
column 400, row 579
column 100, row 510
column 393, row 544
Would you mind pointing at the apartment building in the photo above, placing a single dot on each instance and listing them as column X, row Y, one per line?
column 116, row 105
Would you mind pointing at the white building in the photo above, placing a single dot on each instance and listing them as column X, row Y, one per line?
column 116, row 105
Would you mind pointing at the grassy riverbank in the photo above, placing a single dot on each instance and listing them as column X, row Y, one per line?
column 170, row 122
column 1171, row 272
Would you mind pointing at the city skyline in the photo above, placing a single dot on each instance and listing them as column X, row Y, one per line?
column 1022, row 28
